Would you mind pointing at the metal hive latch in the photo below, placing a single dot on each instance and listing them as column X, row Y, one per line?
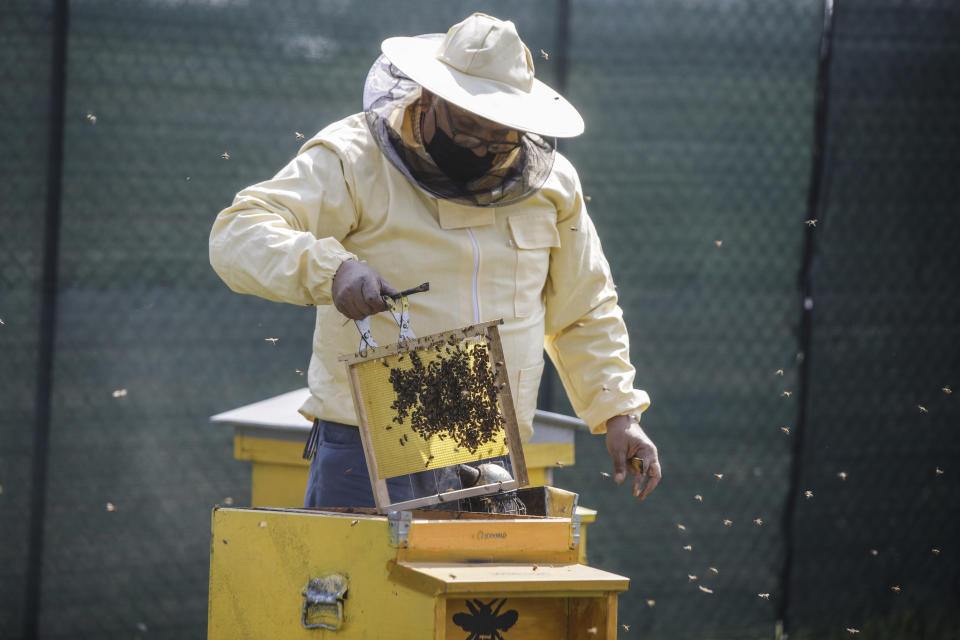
column 323, row 602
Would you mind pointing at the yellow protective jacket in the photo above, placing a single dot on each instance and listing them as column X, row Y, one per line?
column 537, row 264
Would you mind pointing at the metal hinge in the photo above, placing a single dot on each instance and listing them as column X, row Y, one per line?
column 399, row 527
column 575, row 519
column 323, row 602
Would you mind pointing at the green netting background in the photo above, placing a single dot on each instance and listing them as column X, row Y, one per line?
column 697, row 161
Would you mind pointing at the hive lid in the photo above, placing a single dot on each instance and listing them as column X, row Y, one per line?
column 437, row 578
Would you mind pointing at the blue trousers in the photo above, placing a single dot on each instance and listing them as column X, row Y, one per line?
column 339, row 476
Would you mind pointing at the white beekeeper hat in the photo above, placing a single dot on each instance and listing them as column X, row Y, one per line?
column 482, row 66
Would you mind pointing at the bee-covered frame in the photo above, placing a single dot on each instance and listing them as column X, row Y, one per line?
column 491, row 333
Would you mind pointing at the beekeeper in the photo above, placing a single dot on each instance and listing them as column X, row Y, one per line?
column 450, row 174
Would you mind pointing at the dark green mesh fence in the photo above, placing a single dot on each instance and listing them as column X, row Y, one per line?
column 697, row 163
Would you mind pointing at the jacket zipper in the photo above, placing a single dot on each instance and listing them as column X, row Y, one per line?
column 476, row 272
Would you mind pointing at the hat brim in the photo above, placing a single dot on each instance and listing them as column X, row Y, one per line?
column 541, row 110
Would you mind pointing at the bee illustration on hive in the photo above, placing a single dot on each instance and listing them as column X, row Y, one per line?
column 484, row 622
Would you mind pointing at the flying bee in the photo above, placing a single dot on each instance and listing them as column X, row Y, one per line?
column 851, row 630
column 651, row 603
column 714, row 571
column 786, row 430
column 842, row 475
column 811, row 223
column 779, row 372
column 947, row 390
column 704, row 589
column 298, row 135
column 922, row 408
column 896, row 588
column 272, row 341
column 874, row 552
column 786, row 394
column 728, row 523
column 764, row 596
column 808, row 494
column 691, row 577
column 544, row 54
column 688, row 547
column 758, row 522
column 935, row 551
column 718, row 476
column 939, row 471
column 225, row 155
column 698, row 498
column 681, row 527
column 719, row 243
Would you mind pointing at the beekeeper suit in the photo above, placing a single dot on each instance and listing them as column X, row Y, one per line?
column 451, row 175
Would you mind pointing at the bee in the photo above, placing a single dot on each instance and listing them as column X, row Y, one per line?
column 718, row 476
column 704, row 589
column 588, row 198
column 896, row 588
column 298, row 135
column 605, row 474
column 714, row 571
column 558, row 463
column 719, row 243
column 119, row 393
column 681, row 527
column 758, row 522
column 935, row 551
column 811, row 223
column 922, row 408
column 764, row 596
column 298, row 372
column 779, row 372
column 808, row 494
column 939, row 471
column 354, row 523
column 92, row 118
column 688, row 547
column 605, row 388
column 401, row 442
column 544, row 54
column 625, row 627
column 842, row 475
column 851, row 630
column 579, row 324
column 385, row 363
column 347, row 471
column 262, row 524
column 947, row 390
column 111, row 507
column 728, row 523
column 651, row 603
column 786, row 394
column 2, row 322
column 786, row 430
column 874, row 552
column 691, row 577
column 272, row 341
column 225, row 155
column 573, row 228
column 592, row 631
column 698, row 498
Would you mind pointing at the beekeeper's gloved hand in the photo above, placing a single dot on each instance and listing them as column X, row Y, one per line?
column 357, row 290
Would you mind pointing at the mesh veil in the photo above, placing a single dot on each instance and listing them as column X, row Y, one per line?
column 390, row 97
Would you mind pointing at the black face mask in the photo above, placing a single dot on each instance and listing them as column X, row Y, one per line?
column 459, row 163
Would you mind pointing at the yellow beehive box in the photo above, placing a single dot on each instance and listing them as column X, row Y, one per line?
column 353, row 573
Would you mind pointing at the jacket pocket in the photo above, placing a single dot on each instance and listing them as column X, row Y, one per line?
column 528, row 384
column 533, row 235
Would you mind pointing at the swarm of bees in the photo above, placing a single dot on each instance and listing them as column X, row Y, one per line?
column 454, row 395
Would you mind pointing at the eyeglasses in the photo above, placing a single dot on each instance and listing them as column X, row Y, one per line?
column 469, row 141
